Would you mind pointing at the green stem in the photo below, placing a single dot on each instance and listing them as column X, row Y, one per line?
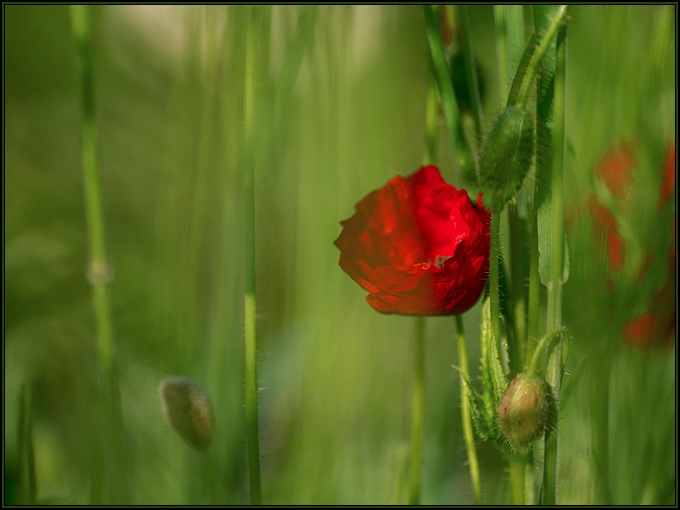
column 534, row 285
column 431, row 116
column 466, row 412
column 493, row 278
column 471, row 77
column 250, row 317
column 418, row 411
column 517, row 463
column 502, row 51
column 516, row 466
column 538, row 55
column 556, row 362
column 462, row 153
column 541, row 348
column 209, row 467
column 510, row 44
column 599, row 400
column 99, row 272
column 25, row 444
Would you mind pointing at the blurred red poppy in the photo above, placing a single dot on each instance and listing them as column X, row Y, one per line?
column 668, row 184
column 418, row 245
column 615, row 169
column 604, row 224
column 656, row 327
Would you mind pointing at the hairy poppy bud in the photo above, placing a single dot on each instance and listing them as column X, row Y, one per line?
column 523, row 411
column 506, row 157
column 188, row 409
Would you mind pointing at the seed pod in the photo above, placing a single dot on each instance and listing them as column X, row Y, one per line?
column 523, row 411
column 188, row 409
column 506, row 157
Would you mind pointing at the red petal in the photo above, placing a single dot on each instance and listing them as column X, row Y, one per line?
column 615, row 168
column 668, row 184
column 418, row 245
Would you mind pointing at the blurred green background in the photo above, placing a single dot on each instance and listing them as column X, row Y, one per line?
column 336, row 376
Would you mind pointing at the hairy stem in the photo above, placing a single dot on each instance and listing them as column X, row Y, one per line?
column 466, row 412
column 556, row 362
column 517, row 463
column 537, row 57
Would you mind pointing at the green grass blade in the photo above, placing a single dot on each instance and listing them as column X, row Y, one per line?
column 461, row 149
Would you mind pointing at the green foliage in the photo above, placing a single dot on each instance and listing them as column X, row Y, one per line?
column 485, row 404
column 342, row 98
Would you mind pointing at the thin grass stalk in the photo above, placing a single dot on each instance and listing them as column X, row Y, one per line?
column 98, row 270
column 501, row 51
column 494, row 253
column 556, row 362
column 510, row 45
column 418, row 411
column 516, row 464
column 418, row 405
column 463, row 160
column 250, row 318
column 471, row 77
column 25, row 447
column 466, row 413
column 431, row 121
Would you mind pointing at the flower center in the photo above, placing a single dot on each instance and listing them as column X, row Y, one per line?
column 439, row 261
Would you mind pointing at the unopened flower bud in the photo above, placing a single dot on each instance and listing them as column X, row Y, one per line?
column 506, row 157
column 523, row 411
column 188, row 409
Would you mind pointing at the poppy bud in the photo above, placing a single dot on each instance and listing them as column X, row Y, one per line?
column 188, row 409
column 506, row 157
column 523, row 411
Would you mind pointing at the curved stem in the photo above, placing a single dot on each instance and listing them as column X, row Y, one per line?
column 465, row 412
column 538, row 55
column 542, row 346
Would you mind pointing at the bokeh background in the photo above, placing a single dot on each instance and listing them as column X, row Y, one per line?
column 336, row 376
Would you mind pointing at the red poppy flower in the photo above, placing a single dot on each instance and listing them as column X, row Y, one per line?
column 615, row 169
column 668, row 184
column 605, row 224
column 418, row 245
column 657, row 326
